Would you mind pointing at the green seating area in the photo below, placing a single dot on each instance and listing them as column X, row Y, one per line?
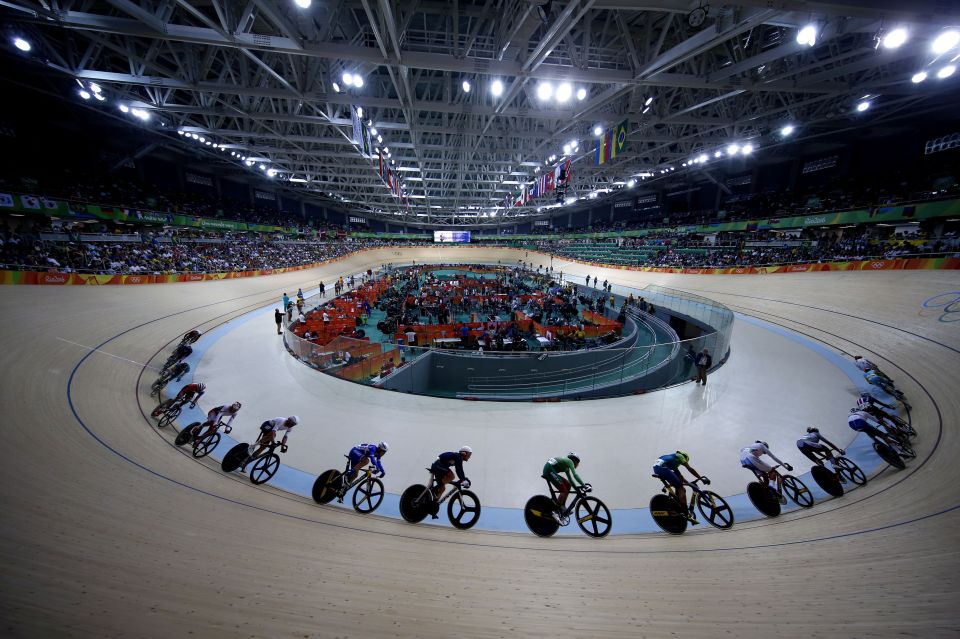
column 613, row 254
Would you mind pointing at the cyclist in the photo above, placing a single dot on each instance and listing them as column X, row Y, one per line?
column 812, row 443
column 859, row 421
column 181, row 353
column 361, row 455
column 190, row 337
column 568, row 466
column 442, row 470
column 189, row 393
column 667, row 468
column 268, row 433
column 178, row 371
column 866, row 399
column 750, row 458
column 886, row 385
column 215, row 416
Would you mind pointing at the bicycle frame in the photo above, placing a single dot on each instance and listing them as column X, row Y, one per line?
column 361, row 477
column 694, row 489
column 554, row 494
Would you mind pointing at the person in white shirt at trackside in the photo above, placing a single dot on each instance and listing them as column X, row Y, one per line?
column 268, row 433
column 750, row 458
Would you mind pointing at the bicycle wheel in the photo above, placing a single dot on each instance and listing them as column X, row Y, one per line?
column 715, row 509
column 234, row 458
column 169, row 416
column 850, row 471
column 156, row 388
column 538, row 513
column 368, row 495
column 763, row 499
column 326, row 487
column 668, row 514
column 205, row 445
column 797, row 491
column 593, row 517
column 264, row 468
column 889, row 455
column 463, row 509
column 185, row 436
column 416, row 502
column 827, row 481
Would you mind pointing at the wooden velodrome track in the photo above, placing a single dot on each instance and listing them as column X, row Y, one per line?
column 109, row 531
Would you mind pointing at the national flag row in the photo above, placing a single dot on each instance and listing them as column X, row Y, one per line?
column 556, row 178
column 611, row 144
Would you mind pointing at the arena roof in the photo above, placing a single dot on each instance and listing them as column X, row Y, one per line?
column 266, row 82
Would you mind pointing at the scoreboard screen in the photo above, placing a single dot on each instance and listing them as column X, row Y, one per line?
column 451, row 236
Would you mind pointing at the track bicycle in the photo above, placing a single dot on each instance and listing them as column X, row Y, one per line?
column 766, row 498
column 204, row 444
column 332, row 484
column 463, row 506
column 168, row 411
column 265, row 464
column 668, row 511
column 542, row 513
column 847, row 470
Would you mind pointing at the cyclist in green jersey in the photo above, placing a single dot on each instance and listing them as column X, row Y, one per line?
column 568, row 466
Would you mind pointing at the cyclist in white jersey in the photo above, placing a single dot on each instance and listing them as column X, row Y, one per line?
column 216, row 415
column 750, row 458
column 268, row 433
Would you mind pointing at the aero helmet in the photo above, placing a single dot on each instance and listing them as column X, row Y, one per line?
column 201, row 387
column 813, row 429
column 383, row 446
column 575, row 458
column 294, row 420
column 466, row 449
column 683, row 456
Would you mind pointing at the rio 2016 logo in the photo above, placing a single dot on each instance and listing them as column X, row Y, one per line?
column 947, row 304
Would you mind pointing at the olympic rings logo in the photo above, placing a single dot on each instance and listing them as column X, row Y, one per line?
column 949, row 302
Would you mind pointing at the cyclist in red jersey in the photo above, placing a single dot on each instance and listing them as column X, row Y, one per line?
column 189, row 393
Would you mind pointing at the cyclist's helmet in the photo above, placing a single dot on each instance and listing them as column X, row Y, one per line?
column 575, row 458
column 201, row 387
column 294, row 420
column 683, row 456
column 235, row 406
column 813, row 429
column 766, row 445
column 863, row 401
column 855, row 409
column 383, row 446
column 466, row 449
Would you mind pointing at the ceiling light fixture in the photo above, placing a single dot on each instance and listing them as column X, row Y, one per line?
column 466, row 86
column 303, row 4
column 22, row 44
column 863, row 106
column 943, row 42
column 544, row 90
column 894, row 39
column 807, row 35
column 919, row 77
column 564, row 91
column 946, row 71
column 581, row 94
column 496, row 88
column 787, row 129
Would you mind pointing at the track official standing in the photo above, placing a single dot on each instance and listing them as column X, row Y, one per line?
column 278, row 318
column 704, row 362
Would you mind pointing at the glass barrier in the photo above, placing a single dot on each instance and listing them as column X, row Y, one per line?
column 647, row 356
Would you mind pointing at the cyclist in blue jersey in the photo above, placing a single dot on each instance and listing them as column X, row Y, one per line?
column 667, row 467
column 867, row 399
column 859, row 421
column 442, row 470
column 361, row 455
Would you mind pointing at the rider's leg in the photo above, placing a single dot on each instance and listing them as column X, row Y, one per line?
column 363, row 461
column 564, row 492
column 264, row 440
column 442, row 485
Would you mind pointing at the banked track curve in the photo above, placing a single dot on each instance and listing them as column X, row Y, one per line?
column 147, row 542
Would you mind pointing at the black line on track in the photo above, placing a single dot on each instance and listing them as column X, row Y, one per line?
column 498, row 546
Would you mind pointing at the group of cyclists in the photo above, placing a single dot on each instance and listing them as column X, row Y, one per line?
column 871, row 416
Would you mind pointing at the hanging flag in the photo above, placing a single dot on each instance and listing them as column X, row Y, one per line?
column 549, row 184
column 6, row 200
column 357, row 127
column 30, row 202
column 563, row 175
column 380, row 157
column 535, row 191
column 611, row 143
column 365, row 141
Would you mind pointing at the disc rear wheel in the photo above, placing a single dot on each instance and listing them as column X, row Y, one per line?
column 538, row 513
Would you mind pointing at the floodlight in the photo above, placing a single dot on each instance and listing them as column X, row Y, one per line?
column 919, row 77
column 564, row 91
column 496, row 88
column 807, row 35
column 544, row 90
column 581, row 94
column 946, row 71
column 943, row 42
column 22, row 44
column 894, row 39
